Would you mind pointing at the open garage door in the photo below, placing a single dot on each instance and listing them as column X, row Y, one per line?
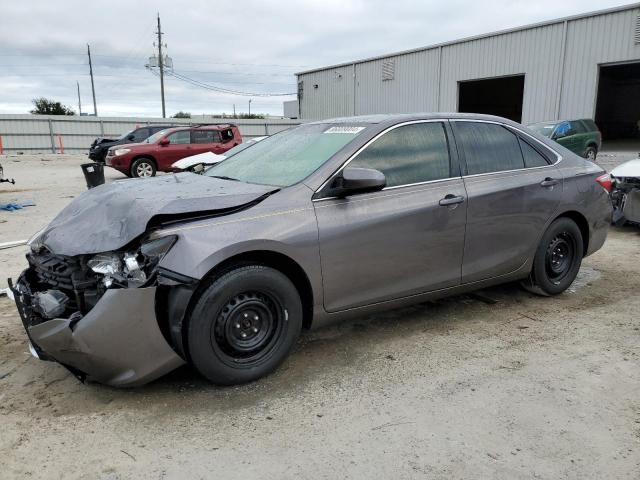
column 618, row 104
column 500, row 96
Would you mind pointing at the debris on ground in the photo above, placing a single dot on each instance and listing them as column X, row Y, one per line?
column 2, row 179
column 13, row 243
column 13, row 206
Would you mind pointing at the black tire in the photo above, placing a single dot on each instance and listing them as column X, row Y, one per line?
column 591, row 153
column 244, row 325
column 557, row 260
column 143, row 167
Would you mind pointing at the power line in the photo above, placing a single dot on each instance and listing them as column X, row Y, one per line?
column 216, row 88
column 128, row 55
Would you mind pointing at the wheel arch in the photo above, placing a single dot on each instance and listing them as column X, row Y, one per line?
column 582, row 223
column 269, row 258
column 145, row 156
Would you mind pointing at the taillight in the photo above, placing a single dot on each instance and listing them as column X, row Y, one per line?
column 605, row 182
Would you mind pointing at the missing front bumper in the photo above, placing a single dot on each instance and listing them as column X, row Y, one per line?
column 117, row 343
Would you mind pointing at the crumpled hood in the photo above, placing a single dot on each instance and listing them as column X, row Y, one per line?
column 108, row 217
column 627, row 169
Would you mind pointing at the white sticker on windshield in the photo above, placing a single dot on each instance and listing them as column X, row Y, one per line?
column 349, row 130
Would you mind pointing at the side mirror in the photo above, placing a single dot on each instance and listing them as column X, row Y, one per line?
column 358, row 180
column 164, row 142
column 131, row 137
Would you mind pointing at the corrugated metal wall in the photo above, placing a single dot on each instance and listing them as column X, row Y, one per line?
column 559, row 82
column 328, row 91
column 413, row 89
column 536, row 53
column 45, row 133
column 592, row 42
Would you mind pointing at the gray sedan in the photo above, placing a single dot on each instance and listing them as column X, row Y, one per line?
column 327, row 220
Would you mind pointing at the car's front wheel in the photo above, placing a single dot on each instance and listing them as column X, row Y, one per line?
column 591, row 153
column 143, row 167
column 557, row 260
column 244, row 324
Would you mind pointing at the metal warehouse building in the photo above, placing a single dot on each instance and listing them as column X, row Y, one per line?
column 584, row 66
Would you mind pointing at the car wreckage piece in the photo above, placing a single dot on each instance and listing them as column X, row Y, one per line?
column 5, row 180
column 625, row 194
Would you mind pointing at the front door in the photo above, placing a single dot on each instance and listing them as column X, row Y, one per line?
column 178, row 148
column 403, row 240
column 513, row 191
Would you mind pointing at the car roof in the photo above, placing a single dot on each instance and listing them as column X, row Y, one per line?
column 408, row 117
column 199, row 127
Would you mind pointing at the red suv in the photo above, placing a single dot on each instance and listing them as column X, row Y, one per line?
column 162, row 149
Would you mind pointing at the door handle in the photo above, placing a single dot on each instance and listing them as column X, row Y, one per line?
column 549, row 182
column 451, row 199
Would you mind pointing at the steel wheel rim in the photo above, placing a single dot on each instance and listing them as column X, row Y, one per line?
column 559, row 256
column 591, row 155
column 144, row 169
column 247, row 328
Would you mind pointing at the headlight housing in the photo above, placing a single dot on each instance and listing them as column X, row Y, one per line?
column 121, row 151
column 131, row 268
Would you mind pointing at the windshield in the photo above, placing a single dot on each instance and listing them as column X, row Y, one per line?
column 238, row 148
column 156, row 136
column 545, row 129
column 288, row 157
column 124, row 135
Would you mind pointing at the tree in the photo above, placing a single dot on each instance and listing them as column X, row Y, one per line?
column 44, row 106
column 182, row 114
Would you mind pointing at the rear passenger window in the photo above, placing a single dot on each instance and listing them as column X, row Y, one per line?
column 531, row 156
column 409, row 154
column 205, row 136
column 488, row 147
column 577, row 127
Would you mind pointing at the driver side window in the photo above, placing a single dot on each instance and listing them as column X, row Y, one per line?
column 408, row 154
column 562, row 130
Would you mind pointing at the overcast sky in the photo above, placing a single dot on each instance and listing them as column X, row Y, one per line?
column 248, row 46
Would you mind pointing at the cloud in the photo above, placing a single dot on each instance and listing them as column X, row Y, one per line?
column 247, row 45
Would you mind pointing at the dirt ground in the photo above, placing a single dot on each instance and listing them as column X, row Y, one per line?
column 528, row 387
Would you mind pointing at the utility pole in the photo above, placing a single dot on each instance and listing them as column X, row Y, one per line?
column 79, row 104
column 93, row 88
column 161, row 66
column 249, row 108
column 234, row 110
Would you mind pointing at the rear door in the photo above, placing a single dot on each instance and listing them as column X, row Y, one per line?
column 580, row 136
column 399, row 241
column 205, row 141
column 513, row 190
column 565, row 136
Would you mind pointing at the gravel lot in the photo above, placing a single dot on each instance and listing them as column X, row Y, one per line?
column 528, row 387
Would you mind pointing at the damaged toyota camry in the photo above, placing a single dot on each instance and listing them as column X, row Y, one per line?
column 325, row 221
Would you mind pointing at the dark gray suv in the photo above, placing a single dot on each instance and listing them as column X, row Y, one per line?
column 324, row 221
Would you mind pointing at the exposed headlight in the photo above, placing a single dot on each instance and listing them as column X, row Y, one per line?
column 133, row 268
column 105, row 263
column 121, row 151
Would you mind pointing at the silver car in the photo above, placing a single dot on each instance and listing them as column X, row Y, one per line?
column 327, row 220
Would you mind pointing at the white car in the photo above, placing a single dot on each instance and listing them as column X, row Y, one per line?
column 626, row 192
column 197, row 163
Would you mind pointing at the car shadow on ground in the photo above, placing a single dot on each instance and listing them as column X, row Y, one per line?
column 349, row 342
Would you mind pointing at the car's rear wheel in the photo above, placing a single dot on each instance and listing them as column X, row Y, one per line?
column 557, row 260
column 244, row 324
column 143, row 167
column 591, row 153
